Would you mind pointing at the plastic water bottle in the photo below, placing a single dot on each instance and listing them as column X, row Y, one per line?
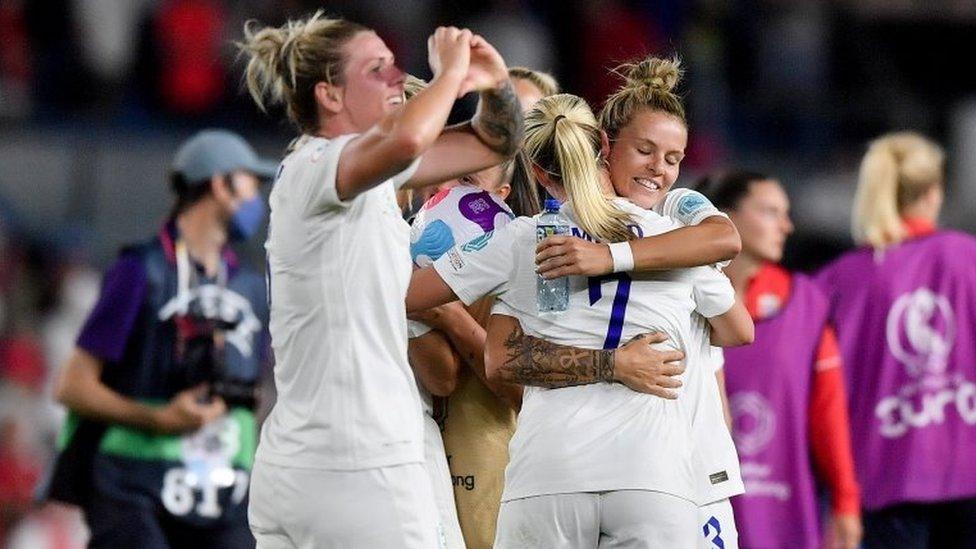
column 552, row 296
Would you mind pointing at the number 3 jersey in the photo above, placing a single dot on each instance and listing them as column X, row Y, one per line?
column 601, row 436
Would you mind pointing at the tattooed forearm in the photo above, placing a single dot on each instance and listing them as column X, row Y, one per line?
column 533, row 361
column 498, row 121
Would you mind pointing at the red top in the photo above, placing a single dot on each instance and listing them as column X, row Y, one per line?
column 916, row 226
column 830, row 438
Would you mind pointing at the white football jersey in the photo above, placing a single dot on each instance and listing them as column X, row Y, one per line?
column 689, row 207
column 415, row 329
column 601, row 436
column 717, row 462
column 339, row 272
column 716, row 458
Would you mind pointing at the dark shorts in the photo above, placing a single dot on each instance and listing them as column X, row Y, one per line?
column 115, row 523
column 944, row 525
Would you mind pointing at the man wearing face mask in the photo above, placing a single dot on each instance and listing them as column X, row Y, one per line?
column 160, row 436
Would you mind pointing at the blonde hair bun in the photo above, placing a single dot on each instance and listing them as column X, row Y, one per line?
column 661, row 75
column 285, row 63
column 648, row 84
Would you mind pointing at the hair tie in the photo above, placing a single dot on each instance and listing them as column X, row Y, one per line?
column 558, row 118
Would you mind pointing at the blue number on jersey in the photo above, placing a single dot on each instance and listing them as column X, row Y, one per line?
column 616, row 328
column 713, row 524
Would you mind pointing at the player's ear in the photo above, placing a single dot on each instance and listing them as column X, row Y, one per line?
column 329, row 97
column 604, row 145
column 544, row 179
column 540, row 175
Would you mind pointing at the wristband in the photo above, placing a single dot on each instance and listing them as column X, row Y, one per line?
column 623, row 257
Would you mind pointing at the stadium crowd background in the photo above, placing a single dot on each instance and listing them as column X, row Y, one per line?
column 95, row 95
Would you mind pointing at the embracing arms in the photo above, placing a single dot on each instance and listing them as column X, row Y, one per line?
column 514, row 357
column 713, row 240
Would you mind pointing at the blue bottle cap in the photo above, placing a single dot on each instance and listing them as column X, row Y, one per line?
column 552, row 205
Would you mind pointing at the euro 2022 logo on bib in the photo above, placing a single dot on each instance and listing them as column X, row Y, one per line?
column 753, row 422
column 921, row 329
column 920, row 332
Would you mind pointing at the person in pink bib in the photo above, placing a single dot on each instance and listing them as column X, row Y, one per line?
column 786, row 390
column 904, row 306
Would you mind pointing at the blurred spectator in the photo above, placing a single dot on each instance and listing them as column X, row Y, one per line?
column 22, row 362
column 51, row 527
column 24, row 448
column 15, row 69
column 9, row 265
column 77, row 294
column 19, row 468
column 612, row 33
column 107, row 35
column 514, row 31
column 189, row 36
column 61, row 82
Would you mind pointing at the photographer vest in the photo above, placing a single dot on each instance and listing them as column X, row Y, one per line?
column 200, row 477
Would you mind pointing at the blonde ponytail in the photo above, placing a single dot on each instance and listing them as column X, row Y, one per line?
column 285, row 63
column 562, row 138
column 649, row 83
column 895, row 172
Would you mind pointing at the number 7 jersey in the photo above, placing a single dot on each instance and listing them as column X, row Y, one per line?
column 602, row 436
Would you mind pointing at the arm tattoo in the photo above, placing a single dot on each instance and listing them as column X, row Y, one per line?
column 533, row 361
column 498, row 121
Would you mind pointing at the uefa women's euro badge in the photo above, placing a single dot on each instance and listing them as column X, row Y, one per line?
column 207, row 456
column 209, row 452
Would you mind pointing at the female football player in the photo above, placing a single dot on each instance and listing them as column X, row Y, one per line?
column 591, row 459
column 348, row 419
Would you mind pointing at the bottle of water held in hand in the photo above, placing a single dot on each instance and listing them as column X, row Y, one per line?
column 551, row 295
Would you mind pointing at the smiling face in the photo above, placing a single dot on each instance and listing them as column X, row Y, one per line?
column 372, row 83
column 763, row 219
column 645, row 157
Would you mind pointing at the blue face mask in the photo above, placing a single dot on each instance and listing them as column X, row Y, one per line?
column 246, row 219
